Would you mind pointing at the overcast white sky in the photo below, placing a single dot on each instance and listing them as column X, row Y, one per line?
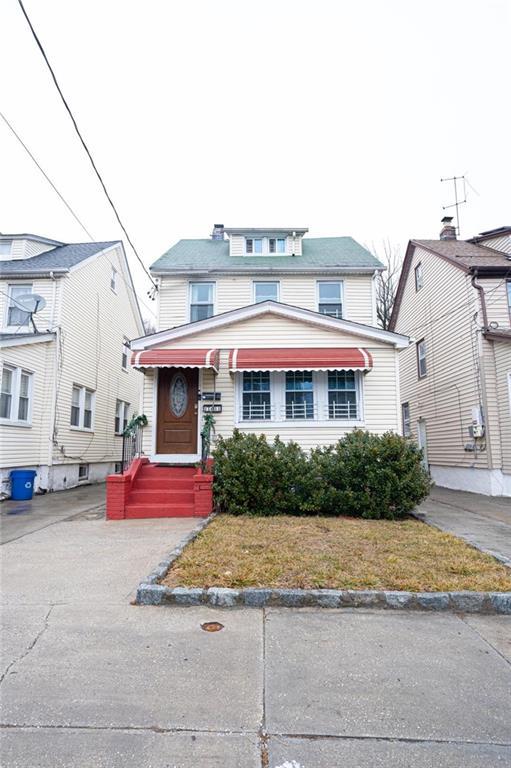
column 333, row 115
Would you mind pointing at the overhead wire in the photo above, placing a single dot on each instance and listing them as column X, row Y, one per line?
column 82, row 140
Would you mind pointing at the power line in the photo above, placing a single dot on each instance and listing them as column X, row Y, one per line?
column 72, row 212
column 82, row 140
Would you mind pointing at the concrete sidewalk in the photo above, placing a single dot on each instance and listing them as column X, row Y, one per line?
column 483, row 521
column 90, row 680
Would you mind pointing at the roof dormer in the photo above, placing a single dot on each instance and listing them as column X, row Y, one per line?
column 24, row 246
column 265, row 241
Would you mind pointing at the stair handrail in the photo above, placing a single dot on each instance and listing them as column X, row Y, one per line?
column 132, row 440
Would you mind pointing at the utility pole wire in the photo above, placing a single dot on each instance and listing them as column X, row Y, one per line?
column 27, row 150
column 82, row 140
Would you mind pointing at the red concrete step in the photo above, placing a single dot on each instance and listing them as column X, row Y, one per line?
column 135, row 510
column 153, row 470
column 162, row 483
column 161, row 496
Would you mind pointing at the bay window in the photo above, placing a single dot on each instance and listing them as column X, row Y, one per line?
column 16, row 395
column 201, row 301
column 309, row 396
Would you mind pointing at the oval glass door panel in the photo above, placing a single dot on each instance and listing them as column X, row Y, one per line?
column 178, row 395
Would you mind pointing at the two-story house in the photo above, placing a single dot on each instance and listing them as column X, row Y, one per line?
column 67, row 388
column 454, row 299
column 273, row 331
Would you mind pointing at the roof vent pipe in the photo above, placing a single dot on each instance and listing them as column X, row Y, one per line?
column 448, row 231
column 218, row 232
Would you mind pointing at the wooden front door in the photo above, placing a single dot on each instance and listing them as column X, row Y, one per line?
column 177, row 411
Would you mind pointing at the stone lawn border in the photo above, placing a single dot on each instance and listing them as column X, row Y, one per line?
column 151, row 592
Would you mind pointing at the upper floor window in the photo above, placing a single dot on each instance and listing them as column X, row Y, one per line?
column 262, row 246
column 121, row 416
column 5, row 247
column 330, row 298
column 421, row 359
column 125, row 353
column 509, row 294
column 16, row 316
column 201, row 301
column 16, row 394
column 276, row 245
column 419, row 277
column 266, row 291
column 82, row 407
column 407, row 423
column 113, row 280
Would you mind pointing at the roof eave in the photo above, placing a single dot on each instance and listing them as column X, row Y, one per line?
column 269, row 270
column 492, row 270
column 34, row 273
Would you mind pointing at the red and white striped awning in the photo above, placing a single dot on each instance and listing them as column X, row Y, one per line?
column 301, row 359
column 176, row 358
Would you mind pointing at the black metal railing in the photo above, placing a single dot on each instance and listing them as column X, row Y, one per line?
column 132, row 441
column 207, row 429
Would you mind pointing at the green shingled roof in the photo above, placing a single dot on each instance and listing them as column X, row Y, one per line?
column 318, row 253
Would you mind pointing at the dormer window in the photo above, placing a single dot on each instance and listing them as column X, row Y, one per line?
column 263, row 246
column 5, row 248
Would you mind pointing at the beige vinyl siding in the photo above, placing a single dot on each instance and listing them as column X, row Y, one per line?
column 503, row 372
column 499, row 243
column 233, row 292
column 379, row 390
column 47, row 288
column 22, row 446
column 94, row 321
column 497, row 305
column 442, row 313
column 237, row 245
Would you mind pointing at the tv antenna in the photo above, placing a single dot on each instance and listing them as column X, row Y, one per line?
column 457, row 203
column 31, row 303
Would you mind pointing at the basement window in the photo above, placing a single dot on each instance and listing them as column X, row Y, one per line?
column 83, row 471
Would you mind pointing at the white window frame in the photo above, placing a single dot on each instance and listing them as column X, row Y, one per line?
column 419, row 277
column 122, row 414
column 81, row 409
column 422, row 359
column 12, row 303
column 509, row 389
column 278, row 403
column 113, row 279
column 7, row 252
column 406, row 420
column 197, row 282
column 17, row 372
column 125, row 353
column 265, row 246
column 255, row 283
column 84, row 476
column 508, row 287
column 318, row 297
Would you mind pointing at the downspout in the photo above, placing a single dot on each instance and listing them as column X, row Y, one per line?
column 483, row 404
column 53, row 401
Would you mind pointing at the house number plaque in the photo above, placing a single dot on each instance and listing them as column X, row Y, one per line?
column 212, row 408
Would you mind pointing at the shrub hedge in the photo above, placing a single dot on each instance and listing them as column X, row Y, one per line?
column 362, row 475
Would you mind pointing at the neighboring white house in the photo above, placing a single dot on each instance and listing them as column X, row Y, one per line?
column 454, row 299
column 274, row 332
column 67, row 387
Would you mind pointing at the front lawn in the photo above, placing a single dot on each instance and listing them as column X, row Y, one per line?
column 334, row 553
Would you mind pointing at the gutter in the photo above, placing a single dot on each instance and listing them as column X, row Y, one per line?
column 47, row 273
column 267, row 271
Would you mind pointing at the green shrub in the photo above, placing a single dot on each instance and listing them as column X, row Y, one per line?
column 363, row 475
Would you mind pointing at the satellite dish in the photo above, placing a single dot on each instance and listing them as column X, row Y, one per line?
column 31, row 302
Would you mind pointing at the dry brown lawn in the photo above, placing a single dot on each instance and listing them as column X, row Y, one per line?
column 334, row 553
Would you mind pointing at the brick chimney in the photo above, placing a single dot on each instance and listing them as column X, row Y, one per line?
column 448, row 231
column 218, row 232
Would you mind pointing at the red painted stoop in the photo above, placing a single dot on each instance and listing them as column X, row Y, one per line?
column 152, row 490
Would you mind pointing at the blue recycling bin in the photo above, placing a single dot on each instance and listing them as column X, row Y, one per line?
column 22, row 484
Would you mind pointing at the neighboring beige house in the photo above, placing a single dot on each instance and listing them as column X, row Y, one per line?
column 273, row 331
column 454, row 300
column 67, row 387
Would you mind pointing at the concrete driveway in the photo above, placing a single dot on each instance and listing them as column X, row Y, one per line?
column 484, row 521
column 90, row 680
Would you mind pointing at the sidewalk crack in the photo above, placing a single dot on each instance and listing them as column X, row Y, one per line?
column 31, row 645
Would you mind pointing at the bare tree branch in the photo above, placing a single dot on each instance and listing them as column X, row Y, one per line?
column 386, row 283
